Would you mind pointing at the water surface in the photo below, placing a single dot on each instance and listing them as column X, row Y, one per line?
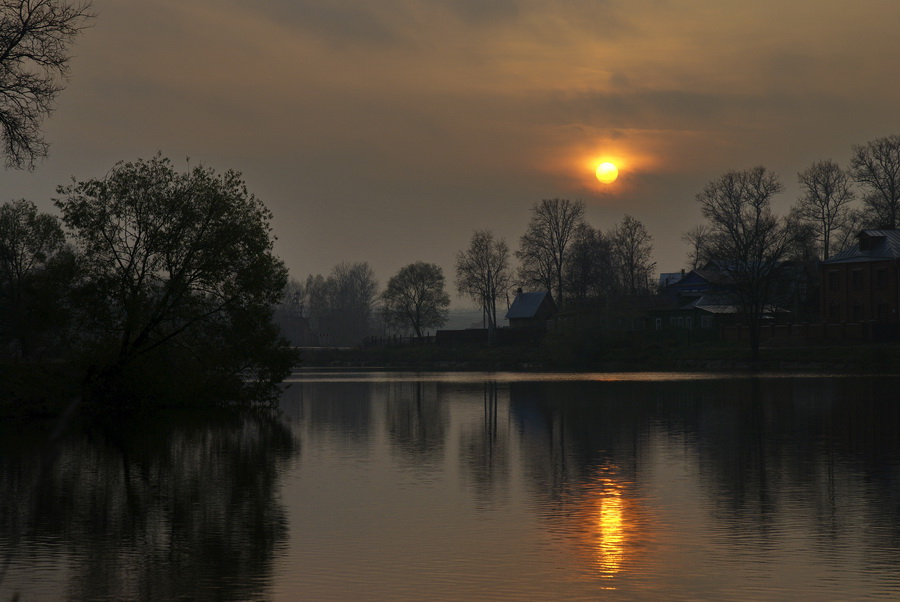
column 386, row 486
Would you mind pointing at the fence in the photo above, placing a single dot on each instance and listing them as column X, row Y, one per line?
column 397, row 341
column 479, row 336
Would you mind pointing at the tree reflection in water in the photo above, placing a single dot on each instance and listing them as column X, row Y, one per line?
column 764, row 451
column 156, row 507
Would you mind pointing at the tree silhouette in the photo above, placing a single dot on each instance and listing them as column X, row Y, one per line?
column 177, row 263
column 483, row 274
column 35, row 36
column 746, row 238
column 876, row 166
column 544, row 248
column 415, row 298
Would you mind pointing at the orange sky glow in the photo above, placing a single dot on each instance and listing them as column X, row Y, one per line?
column 388, row 131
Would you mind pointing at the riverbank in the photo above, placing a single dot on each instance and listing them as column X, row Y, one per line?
column 881, row 358
column 36, row 389
column 43, row 389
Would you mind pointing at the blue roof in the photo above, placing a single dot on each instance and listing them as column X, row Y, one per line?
column 526, row 305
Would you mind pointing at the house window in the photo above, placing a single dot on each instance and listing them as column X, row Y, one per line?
column 672, row 322
column 882, row 311
column 706, row 321
column 658, row 323
column 857, row 311
column 857, row 279
column 881, row 278
column 833, row 281
column 680, row 321
column 689, row 323
column 834, row 312
column 801, row 288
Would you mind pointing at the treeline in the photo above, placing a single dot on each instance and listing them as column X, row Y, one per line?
column 585, row 267
column 559, row 252
column 162, row 284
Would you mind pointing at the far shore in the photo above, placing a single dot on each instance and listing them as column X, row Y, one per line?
column 43, row 389
column 877, row 359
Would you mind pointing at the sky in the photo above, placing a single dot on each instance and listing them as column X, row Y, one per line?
column 388, row 131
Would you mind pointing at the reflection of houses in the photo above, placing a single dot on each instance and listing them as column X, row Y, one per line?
column 861, row 283
column 531, row 310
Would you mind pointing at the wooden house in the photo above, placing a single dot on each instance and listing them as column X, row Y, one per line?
column 531, row 310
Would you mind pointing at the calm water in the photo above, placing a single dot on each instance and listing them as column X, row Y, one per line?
column 392, row 486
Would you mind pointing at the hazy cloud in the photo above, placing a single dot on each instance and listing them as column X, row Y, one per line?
column 389, row 130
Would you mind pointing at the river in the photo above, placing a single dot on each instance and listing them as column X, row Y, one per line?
column 469, row 486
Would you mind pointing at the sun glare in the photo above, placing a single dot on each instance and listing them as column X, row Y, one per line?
column 607, row 173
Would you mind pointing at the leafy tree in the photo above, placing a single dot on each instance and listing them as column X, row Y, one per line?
column 544, row 248
column 825, row 202
column 35, row 36
column 876, row 166
column 415, row 298
column 483, row 274
column 746, row 237
column 31, row 245
column 177, row 265
column 632, row 249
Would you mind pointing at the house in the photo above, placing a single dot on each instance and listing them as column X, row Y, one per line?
column 531, row 310
column 703, row 315
column 702, row 301
column 862, row 283
column 667, row 279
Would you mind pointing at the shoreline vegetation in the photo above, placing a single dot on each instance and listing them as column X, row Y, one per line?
column 878, row 358
column 44, row 389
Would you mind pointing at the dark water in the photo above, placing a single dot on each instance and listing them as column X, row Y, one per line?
column 378, row 486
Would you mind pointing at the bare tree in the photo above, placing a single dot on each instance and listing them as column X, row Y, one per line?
column 483, row 273
column 339, row 308
column 632, row 249
column 415, row 298
column 747, row 238
column 589, row 270
column 825, row 201
column 845, row 236
column 543, row 249
column 696, row 237
column 35, row 36
column 876, row 166
column 804, row 242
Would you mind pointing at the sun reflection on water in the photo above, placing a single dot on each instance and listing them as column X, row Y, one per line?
column 610, row 528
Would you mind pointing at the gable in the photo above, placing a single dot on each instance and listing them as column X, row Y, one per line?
column 530, row 305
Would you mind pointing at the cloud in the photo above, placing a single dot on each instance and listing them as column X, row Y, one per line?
column 448, row 115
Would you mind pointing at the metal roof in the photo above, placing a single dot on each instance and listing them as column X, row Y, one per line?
column 526, row 305
column 885, row 245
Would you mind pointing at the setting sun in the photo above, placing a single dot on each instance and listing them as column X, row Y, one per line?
column 607, row 173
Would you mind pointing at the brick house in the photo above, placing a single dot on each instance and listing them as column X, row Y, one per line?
column 860, row 284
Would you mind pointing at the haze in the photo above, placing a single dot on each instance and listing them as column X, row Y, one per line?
column 388, row 131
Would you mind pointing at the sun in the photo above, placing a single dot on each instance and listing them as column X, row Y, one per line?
column 607, row 173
